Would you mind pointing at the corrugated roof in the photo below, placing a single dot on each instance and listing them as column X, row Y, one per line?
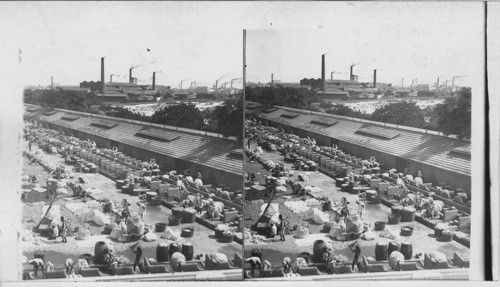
column 429, row 149
column 341, row 82
column 192, row 147
column 122, row 84
column 111, row 94
column 332, row 92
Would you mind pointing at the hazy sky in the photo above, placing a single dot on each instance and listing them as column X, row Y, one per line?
column 202, row 42
column 66, row 40
column 410, row 40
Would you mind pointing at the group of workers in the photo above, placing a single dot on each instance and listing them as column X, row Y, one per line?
column 256, row 261
column 108, row 257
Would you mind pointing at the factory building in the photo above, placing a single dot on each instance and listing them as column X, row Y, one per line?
column 122, row 91
column 92, row 86
column 403, row 92
column 315, row 84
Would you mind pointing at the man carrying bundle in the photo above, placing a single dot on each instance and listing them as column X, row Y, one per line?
column 287, row 265
column 38, row 264
column 254, row 261
column 69, row 266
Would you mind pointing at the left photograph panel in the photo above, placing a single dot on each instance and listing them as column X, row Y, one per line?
column 132, row 146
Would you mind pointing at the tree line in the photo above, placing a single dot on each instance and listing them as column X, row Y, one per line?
column 453, row 116
column 226, row 119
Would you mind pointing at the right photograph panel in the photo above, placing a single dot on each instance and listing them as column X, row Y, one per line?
column 358, row 150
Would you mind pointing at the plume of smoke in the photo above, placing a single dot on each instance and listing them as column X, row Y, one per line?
column 223, row 76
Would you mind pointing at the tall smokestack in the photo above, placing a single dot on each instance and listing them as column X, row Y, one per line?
column 130, row 75
column 350, row 75
column 216, row 84
column 437, row 83
column 111, row 78
column 375, row 78
column 323, row 72
column 272, row 78
column 102, row 75
column 154, row 80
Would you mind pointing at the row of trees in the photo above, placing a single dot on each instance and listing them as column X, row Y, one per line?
column 226, row 119
column 121, row 112
column 282, row 96
column 453, row 116
column 71, row 100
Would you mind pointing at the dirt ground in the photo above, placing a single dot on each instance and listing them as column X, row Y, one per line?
column 422, row 240
column 57, row 252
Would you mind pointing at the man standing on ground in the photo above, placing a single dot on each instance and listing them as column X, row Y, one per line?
column 418, row 202
column 63, row 230
column 361, row 209
column 198, row 203
column 138, row 256
column 282, row 228
column 126, row 210
column 357, row 253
